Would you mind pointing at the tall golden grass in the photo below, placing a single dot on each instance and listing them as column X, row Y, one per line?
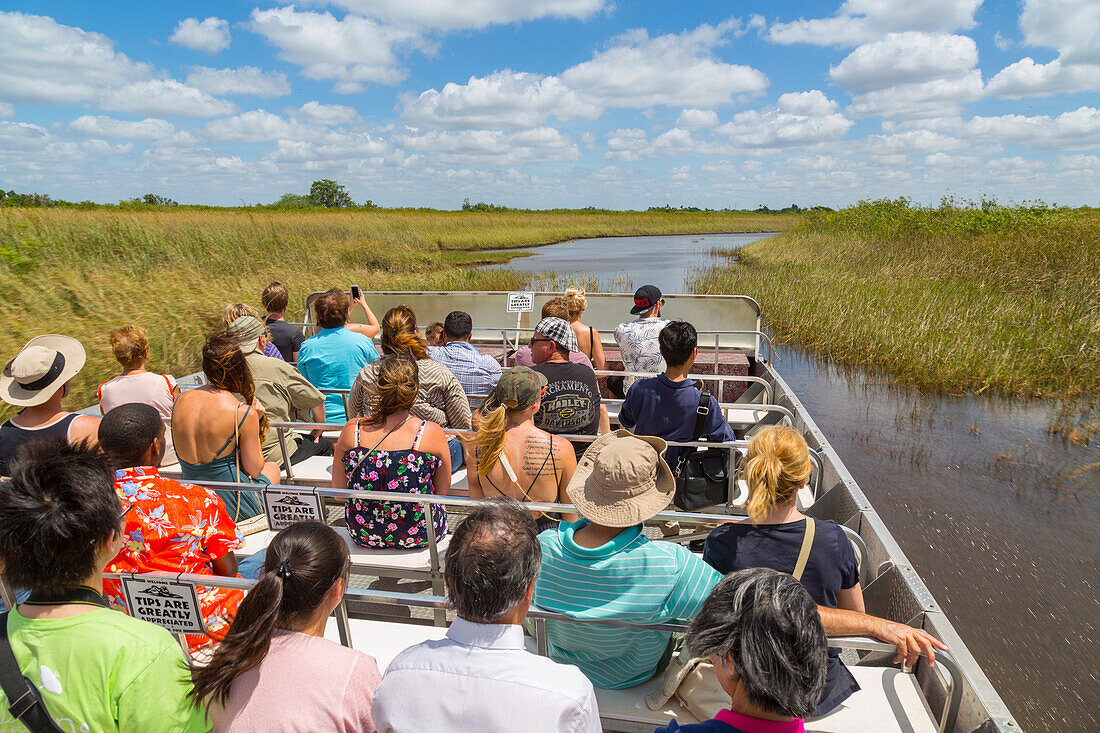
column 81, row 273
column 949, row 299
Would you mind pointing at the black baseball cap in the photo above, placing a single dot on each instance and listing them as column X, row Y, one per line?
column 645, row 298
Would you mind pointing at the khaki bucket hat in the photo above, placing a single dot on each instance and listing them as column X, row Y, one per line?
column 622, row 480
column 39, row 369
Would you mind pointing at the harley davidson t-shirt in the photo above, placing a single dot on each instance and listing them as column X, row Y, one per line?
column 571, row 405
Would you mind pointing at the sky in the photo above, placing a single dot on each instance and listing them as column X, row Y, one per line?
column 553, row 103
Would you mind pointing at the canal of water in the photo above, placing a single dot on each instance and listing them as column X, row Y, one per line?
column 1000, row 517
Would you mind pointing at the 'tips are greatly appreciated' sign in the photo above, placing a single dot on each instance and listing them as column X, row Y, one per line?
column 168, row 603
column 285, row 507
column 521, row 302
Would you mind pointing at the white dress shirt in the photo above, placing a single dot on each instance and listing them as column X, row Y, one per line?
column 480, row 678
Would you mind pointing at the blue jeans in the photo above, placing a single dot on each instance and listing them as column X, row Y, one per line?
column 21, row 594
column 456, row 453
column 250, row 567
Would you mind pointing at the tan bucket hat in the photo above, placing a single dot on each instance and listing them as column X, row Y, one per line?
column 39, row 369
column 622, row 480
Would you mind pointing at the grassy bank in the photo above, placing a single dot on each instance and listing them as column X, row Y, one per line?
column 959, row 300
column 81, row 273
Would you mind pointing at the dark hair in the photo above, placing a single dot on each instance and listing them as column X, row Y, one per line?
column 399, row 334
column 56, row 513
column 225, row 367
column 332, row 308
column 677, row 340
column 767, row 625
column 302, row 564
column 275, row 297
column 458, row 325
column 127, row 431
column 493, row 558
column 395, row 388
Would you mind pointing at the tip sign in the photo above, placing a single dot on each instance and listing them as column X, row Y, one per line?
column 168, row 603
column 521, row 302
column 286, row 506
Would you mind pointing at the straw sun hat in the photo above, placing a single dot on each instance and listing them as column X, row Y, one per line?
column 622, row 480
column 39, row 370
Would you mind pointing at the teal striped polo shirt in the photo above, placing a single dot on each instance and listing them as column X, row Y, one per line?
column 630, row 579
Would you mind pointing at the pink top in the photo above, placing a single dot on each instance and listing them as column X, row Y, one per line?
column 523, row 357
column 148, row 389
column 305, row 684
column 749, row 724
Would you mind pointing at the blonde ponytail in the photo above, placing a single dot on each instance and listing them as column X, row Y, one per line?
column 489, row 440
column 777, row 466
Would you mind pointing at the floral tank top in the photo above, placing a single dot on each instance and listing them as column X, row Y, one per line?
column 389, row 524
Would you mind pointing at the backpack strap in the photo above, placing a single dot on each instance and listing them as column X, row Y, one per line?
column 24, row 700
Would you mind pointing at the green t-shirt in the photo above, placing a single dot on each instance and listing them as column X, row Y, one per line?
column 103, row 671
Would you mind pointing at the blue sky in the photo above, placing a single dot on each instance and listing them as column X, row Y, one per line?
column 554, row 102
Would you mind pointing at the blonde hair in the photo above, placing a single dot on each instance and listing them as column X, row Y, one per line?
column 233, row 311
column 777, row 465
column 130, row 345
column 575, row 303
column 489, row 440
column 399, row 334
column 394, row 389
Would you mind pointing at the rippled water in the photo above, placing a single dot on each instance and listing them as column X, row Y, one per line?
column 1000, row 518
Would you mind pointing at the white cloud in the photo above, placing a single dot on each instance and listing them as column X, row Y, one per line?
column 244, row 80
column 697, row 119
column 1077, row 129
column 861, row 21
column 210, row 35
column 352, row 51
column 807, row 118
column 108, row 127
column 458, row 14
column 910, row 142
column 909, row 101
column 626, row 144
column 328, row 115
column 905, row 58
column 7, row 111
column 254, row 126
column 502, row 100
column 681, row 70
column 489, row 147
column 164, row 98
column 813, row 103
column 1073, row 28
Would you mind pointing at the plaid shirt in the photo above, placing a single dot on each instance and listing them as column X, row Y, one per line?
column 476, row 372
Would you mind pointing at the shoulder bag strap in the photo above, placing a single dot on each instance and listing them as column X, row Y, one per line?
column 701, row 413
column 804, row 553
column 24, row 701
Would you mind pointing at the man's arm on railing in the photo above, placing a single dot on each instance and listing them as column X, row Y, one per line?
column 908, row 641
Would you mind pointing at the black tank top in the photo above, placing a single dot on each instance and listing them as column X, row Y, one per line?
column 13, row 438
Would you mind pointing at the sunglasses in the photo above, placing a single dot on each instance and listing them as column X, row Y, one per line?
column 549, row 341
column 129, row 508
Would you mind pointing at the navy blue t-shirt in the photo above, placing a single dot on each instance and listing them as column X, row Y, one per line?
column 658, row 406
column 831, row 567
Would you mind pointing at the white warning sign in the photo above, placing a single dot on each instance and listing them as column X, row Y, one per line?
column 285, row 507
column 168, row 603
column 521, row 302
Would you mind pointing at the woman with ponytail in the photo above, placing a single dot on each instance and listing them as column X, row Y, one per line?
column 275, row 671
column 391, row 450
column 440, row 398
column 776, row 535
column 218, row 437
column 514, row 458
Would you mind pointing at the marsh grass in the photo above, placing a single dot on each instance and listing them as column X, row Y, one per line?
column 82, row 273
column 962, row 300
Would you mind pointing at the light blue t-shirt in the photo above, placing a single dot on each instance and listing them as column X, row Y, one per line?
column 330, row 359
column 631, row 579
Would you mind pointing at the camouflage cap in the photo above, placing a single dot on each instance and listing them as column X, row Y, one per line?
column 518, row 388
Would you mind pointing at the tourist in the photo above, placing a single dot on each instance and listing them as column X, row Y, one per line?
column 331, row 358
column 233, row 311
column 287, row 338
column 371, row 328
column 553, row 308
column 94, row 669
column 406, row 454
column 480, row 677
column 761, row 631
column 571, row 404
column 603, row 566
column 638, row 347
column 476, row 372
column 668, row 405
column 283, row 392
column 218, row 437
column 169, row 526
column 588, row 338
column 441, row 398
column 37, row 380
column 513, row 457
column 130, row 345
column 777, row 535
column 433, row 334
column 275, row 671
